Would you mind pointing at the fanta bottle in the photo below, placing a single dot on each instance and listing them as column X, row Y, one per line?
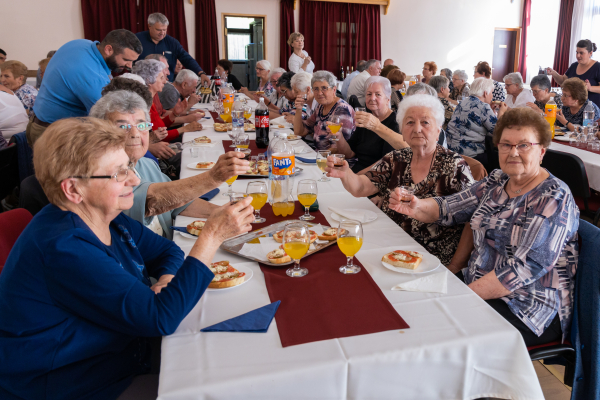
column 550, row 114
column 227, row 96
column 281, row 168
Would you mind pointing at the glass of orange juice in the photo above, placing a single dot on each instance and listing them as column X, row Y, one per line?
column 334, row 125
column 307, row 195
column 350, row 240
column 296, row 240
column 247, row 112
column 230, row 182
column 258, row 191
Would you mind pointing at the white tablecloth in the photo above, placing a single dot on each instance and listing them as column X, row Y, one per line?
column 457, row 347
column 591, row 161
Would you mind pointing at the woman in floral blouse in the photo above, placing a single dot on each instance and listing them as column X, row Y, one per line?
column 13, row 75
column 524, row 223
column 575, row 100
column 427, row 167
column 472, row 120
column 263, row 69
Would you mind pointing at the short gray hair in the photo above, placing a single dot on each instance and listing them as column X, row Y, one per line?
column 384, row 82
column 326, row 76
column 541, row 81
column 361, row 66
column 301, row 81
column 516, row 78
column 420, row 88
column 129, row 75
column 185, row 75
column 277, row 71
column 439, row 82
column 121, row 101
column 369, row 63
column 421, row 100
column 447, row 71
column 480, row 86
column 157, row 17
column 461, row 74
column 149, row 70
column 265, row 64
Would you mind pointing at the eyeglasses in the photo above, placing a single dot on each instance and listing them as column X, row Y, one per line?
column 142, row 126
column 321, row 89
column 521, row 147
column 119, row 176
column 284, row 90
column 536, row 91
column 260, row 69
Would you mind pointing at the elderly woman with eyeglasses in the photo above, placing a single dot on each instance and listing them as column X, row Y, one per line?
column 575, row 100
column 460, row 86
column 76, row 286
column 524, row 223
column 330, row 109
column 540, row 88
column 517, row 94
column 265, row 88
column 157, row 199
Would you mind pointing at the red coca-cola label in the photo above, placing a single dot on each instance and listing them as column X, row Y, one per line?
column 262, row 121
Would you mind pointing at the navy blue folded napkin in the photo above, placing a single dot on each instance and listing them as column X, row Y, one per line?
column 181, row 229
column 210, row 195
column 307, row 160
column 254, row 321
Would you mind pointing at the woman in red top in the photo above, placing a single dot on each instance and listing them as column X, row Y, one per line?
column 152, row 73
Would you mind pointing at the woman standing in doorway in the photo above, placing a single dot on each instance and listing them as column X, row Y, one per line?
column 299, row 60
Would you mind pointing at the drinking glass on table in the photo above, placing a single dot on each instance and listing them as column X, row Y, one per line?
column 296, row 240
column 322, row 163
column 350, row 240
column 232, row 133
column 247, row 112
column 334, row 126
column 262, row 157
column 307, row 195
column 258, row 191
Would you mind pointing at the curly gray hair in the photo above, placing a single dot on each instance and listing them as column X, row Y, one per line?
column 439, row 82
column 121, row 101
column 301, row 81
column 514, row 78
column 420, row 88
column 481, row 86
column 149, row 70
column 186, row 75
column 421, row 100
column 461, row 74
column 324, row 76
column 384, row 82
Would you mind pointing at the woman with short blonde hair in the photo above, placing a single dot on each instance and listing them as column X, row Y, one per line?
column 299, row 60
column 13, row 75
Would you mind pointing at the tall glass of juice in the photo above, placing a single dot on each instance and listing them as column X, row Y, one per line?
column 307, row 195
column 258, row 191
column 350, row 240
column 296, row 240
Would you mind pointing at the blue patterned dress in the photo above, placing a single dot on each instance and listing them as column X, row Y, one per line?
column 529, row 241
column 471, row 122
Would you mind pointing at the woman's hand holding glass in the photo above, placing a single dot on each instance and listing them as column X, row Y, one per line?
column 337, row 167
column 333, row 127
column 322, row 163
column 398, row 202
column 258, row 191
column 366, row 120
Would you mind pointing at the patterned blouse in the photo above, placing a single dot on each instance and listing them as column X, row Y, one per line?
column 268, row 89
column 557, row 100
column 577, row 118
column 317, row 123
column 448, row 111
column 396, row 99
column 471, row 122
column 455, row 94
column 499, row 92
column 449, row 174
column 27, row 95
column 529, row 241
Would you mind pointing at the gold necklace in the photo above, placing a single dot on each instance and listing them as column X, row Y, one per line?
column 526, row 183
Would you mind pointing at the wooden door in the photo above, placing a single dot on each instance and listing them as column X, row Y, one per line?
column 506, row 47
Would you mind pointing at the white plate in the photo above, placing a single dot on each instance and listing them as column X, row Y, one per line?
column 192, row 165
column 371, row 216
column 429, row 263
column 187, row 235
column 248, row 276
column 563, row 139
column 301, row 150
column 202, row 144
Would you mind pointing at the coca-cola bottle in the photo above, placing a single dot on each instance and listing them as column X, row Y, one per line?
column 261, row 115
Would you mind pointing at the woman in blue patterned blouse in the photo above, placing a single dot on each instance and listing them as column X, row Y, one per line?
column 524, row 223
column 472, row 120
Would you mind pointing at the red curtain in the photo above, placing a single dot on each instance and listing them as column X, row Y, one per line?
column 337, row 34
column 207, row 36
column 526, row 19
column 172, row 9
column 563, row 38
column 286, row 28
column 103, row 16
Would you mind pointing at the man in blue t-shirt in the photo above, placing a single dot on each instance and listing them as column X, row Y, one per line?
column 75, row 76
column 156, row 41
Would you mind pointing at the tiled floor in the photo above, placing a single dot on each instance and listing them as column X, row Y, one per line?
column 552, row 386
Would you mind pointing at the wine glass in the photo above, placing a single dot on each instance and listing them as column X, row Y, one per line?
column 322, row 163
column 232, row 133
column 307, row 195
column 230, row 182
column 242, row 141
column 296, row 240
column 350, row 240
column 247, row 112
column 334, row 126
column 254, row 164
column 258, row 191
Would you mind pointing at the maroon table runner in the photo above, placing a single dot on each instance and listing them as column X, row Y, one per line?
column 571, row 144
column 215, row 116
column 267, row 213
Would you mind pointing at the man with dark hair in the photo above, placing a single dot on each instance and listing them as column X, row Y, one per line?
column 74, row 79
column 156, row 41
column 2, row 56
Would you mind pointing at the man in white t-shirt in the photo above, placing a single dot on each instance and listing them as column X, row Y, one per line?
column 517, row 95
column 357, row 86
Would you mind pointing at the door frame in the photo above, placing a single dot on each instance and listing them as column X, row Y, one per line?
column 223, row 24
column 517, row 47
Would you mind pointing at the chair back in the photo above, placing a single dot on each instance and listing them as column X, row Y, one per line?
column 12, row 222
column 24, row 155
column 570, row 169
column 492, row 153
column 353, row 101
column 477, row 169
column 9, row 170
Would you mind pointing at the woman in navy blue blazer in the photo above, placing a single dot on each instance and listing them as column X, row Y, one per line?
column 76, row 301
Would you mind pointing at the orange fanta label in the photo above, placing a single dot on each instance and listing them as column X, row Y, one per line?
column 283, row 164
column 551, row 110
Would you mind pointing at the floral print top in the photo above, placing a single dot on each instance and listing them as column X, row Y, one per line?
column 449, row 174
column 268, row 89
column 557, row 100
column 317, row 123
column 499, row 92
column 471, row 121
column 27, row 95
column 529, row 241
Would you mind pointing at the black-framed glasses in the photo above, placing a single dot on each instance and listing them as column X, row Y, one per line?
column 521, row 147
column 119, row 176
column 142, row 126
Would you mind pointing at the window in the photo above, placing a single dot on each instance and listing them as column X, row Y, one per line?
column 241, row 31
column 586, row 20
column 541, row 36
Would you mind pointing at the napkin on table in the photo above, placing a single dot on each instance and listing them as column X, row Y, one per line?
column 356, row 215
column 436, row 283
column 253, row 321
column 209, row 195
column 181, row 229
column 307, row 160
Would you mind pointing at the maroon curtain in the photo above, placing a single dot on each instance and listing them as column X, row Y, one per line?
column 103, row 16
column 337, row 34
column 563, row 38
column 526, row 19
column 286, row 28
column 172, row 9
column 207, row 36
